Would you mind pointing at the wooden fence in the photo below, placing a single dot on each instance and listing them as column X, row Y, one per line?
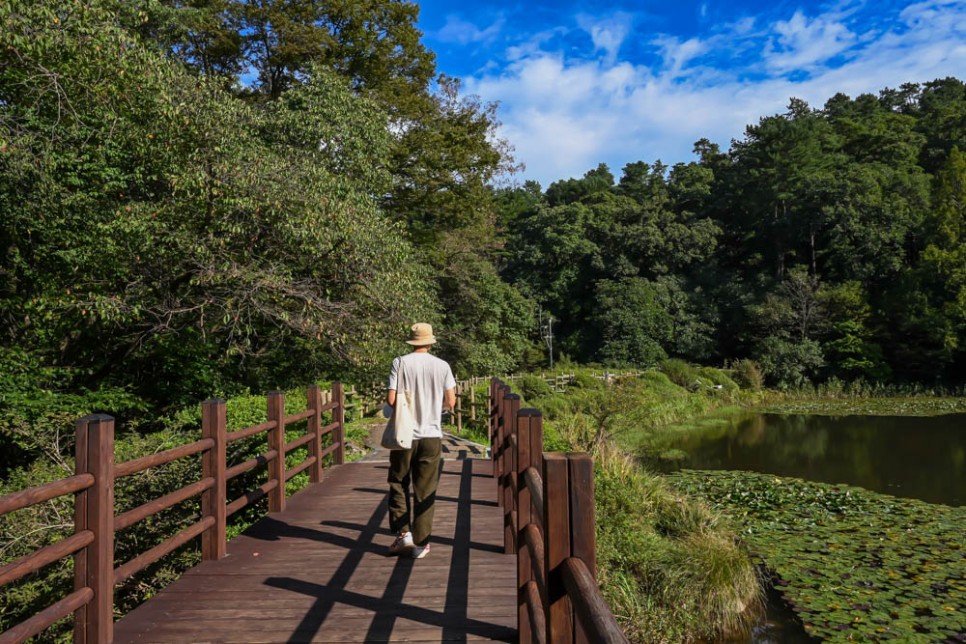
column 360, row 401
column 95, row 521
column 548, row 508
column 471, row 405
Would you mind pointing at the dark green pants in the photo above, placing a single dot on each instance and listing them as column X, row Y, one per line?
column 419, row 467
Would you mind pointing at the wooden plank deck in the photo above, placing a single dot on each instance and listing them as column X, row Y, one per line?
column 319, row 572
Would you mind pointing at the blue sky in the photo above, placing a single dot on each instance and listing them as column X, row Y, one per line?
column 580, row 83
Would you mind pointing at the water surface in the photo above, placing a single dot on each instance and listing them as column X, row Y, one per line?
column 915, row 457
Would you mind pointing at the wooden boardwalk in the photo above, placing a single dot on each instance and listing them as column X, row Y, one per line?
column 319, row 572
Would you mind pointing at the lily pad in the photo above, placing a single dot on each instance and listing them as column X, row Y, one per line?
column 854, row 564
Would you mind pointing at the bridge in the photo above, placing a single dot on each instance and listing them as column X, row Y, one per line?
column 512, row 548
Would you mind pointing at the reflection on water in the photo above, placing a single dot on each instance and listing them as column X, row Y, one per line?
column 916, row 457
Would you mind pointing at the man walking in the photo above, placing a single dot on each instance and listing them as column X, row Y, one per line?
column 433, row 388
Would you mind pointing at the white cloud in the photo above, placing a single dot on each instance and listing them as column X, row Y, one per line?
column 565, row 115
column 743, row 26
column 532, row 46
column 936, row 13
column 607, row 34
column 801, row 43
column 459, row 31
column 677, row 54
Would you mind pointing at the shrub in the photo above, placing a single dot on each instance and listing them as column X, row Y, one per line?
column 555, row 406
column 717, row 378
column 533, row 387
column 584, row 380
column 657, row 380
column 680, row 372
column 748, row 374
column 790, row 365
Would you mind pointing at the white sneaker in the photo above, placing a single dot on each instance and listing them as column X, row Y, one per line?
column 402, row 545
column 419, row 552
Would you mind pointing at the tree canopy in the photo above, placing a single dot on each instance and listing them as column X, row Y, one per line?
column 825, row 242
column 205, row 196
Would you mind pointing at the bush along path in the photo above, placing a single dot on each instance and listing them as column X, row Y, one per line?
column 854, row 565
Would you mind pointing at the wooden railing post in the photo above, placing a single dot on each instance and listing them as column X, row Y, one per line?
column 496, row 401
column 556, row 547
column 458, row 412
column 96, row 433
column 473, row 400
column 529, row 426
column 350, row 395
column 512, row 402
column 338, row 416
column 313, row 400
column 81, row 466
column 214, row 426
column 583, row 539
column 276, row 442
column 495, row 438
column 503, row 431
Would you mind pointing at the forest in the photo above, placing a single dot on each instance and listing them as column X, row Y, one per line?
column 215, row 197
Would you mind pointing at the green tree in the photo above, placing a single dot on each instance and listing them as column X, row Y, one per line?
column 849, row 345
column 631, row 323
column 785, row 165
column 160, row 232
column 944, row 259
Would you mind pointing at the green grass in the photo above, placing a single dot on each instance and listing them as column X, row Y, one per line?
column 671, row 569
column 357, row 435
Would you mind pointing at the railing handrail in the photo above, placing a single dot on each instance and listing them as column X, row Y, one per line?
column 548, row 508
column 96, row 521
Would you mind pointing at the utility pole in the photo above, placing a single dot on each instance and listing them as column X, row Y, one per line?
column 546, row 331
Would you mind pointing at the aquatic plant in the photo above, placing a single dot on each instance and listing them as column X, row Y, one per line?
column 852, row 564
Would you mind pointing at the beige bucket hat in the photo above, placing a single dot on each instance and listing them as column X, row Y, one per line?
column 421, row 335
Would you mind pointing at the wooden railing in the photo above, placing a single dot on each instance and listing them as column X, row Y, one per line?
column 548, row 509
column 95, row 522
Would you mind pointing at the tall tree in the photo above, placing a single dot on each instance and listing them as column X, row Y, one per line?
column 163, row 233
column 785, row 164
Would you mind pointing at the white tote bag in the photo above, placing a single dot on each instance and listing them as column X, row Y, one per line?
column 402, row 423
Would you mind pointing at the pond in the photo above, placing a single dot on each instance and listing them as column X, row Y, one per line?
column 916, row 457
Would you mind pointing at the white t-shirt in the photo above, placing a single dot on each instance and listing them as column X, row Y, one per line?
column 427, row 377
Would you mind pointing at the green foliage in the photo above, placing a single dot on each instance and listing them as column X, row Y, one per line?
column 833, row 228
column 182, row 240
column 637, row 413
column 633, row 325
column 532, row 387
column 718, row 378
column 669, row 567
column 747, row 374
column 489, row 325
column 853, row 565
column 584, row 380
column 555, row 406
column 680, row 373
column 849, row 346
column 788, row 364
column 38, row 408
